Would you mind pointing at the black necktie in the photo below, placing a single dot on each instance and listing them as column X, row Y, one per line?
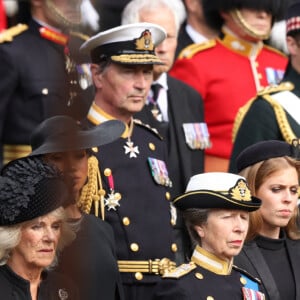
column 153, row 102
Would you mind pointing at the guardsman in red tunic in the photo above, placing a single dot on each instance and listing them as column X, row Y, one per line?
column 229, row 70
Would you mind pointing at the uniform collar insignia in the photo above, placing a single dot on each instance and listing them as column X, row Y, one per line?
column 210, row 262
column 236, row 44
column 54, row 36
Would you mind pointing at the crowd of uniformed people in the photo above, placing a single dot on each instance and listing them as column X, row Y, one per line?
column 149, row 149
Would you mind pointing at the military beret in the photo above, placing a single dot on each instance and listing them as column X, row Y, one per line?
column 126, row 44
column 293, row 18
column 30, row 188
column 217, row 190
column 264, row 150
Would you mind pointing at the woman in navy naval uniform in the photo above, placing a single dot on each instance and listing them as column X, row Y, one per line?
column 216, row 210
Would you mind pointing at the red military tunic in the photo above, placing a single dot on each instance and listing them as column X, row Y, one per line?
column 227, row 72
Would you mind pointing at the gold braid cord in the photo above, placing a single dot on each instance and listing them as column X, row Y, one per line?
column 283, row 123
column 240, row 117
column 92, row 191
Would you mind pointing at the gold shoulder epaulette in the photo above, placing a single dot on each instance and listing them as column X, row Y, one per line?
column 151, row 129
column 180, row 271
column 9, row 34
column 244, row 272
column 192, row 49
column 284, row 86
column 80, row 35
column 275, row 50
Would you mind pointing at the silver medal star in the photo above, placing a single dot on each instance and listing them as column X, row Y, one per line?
column 111, row 202
column 131, row 149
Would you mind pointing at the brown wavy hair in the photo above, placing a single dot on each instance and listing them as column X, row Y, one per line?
column 256, row 176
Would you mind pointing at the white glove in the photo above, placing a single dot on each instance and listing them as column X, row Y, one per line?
column 89, row 15
column 11, row 7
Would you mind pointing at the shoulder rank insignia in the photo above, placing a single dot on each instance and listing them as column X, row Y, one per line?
column 192, row 49
column 244, row 272
column 284, row 86
column 151, row 129
column 180, row 271
column 9, row 34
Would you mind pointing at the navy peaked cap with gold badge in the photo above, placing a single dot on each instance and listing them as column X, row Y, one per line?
column 265, row 150
column 293, row 18
column 217, row 190
column 126, row 44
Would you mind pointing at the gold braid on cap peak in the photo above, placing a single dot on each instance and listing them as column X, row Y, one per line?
column 92, row 191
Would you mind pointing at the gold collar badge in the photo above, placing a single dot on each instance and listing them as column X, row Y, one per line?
column 240, row 191
column 145, row 41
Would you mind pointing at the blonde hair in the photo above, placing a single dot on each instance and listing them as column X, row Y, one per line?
column 256, row 176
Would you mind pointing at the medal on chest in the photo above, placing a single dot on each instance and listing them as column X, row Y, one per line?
column 159, row 172
column 130, row 148
column 111, row 201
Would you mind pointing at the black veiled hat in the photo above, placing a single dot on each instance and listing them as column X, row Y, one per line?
column 217, row 190
column 212, row 8
column 29, row 188
column 62, row 133
column 265, row 150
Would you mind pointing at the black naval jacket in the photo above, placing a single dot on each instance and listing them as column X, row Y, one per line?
column 91, row 263
column 252, row 260
column 35, row 84
column 195, row 282
column 142, row 219
column 53, row 286
column 260, row 121
column 184, row 106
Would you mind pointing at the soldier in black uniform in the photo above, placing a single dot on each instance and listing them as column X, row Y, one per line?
column 133, row 169
column 216, row 210
column 274, row 113
column 42, row 73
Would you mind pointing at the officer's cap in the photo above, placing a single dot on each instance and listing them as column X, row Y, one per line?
column 293, row 18
column 126, row 44
column 265, row 150
column 217, row 190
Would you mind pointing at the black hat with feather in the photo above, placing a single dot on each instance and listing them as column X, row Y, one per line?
column 29, row 188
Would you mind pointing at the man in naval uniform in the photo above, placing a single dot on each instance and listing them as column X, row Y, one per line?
column 231, row 69
column 274, row 113
column 177, row 111
column 42, row 73
column 134, row 180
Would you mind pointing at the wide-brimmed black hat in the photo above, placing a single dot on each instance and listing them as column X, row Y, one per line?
column 62, row 133
column 217, row 190
column 30, row 188
column 265, row 150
